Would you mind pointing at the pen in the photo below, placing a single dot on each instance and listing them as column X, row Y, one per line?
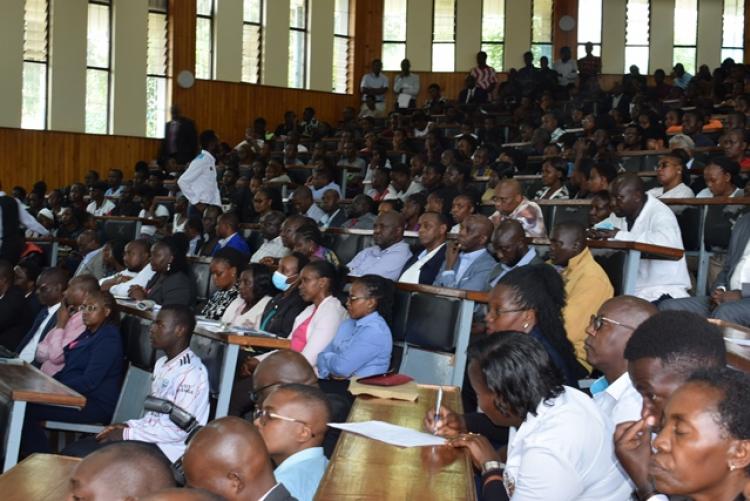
column 438, row 403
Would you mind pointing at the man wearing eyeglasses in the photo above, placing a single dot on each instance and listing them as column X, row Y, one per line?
column 607, row 334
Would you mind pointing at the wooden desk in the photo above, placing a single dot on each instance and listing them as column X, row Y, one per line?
column 21, row 383
column 738, row 356
column 361, row 468
column 39, row 477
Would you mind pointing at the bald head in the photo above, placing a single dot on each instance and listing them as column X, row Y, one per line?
column 566, row 241
column 388, row 229
column 508, row 194
column 228, row 457
column 282, row 367
column 509, row 242
column 121, row 470
column 475, row 233
column 302, row 199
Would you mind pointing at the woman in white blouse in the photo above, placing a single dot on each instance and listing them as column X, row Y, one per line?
column 256, row 289
column 554, row 174
column 560, row 444
column 670, row 174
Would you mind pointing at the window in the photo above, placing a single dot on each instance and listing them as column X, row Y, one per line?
column 394, row 34
column 493, row 32
column 589, row 26
column 342, row 44
column 156, row 68
column 98, row 67
column 252, row 40
column 637, row 21
column 204, row 39
column 35, row 59
column 444, row 35
column 541, row 29
column 298, row 44
column 732, row 44
column 685, row 34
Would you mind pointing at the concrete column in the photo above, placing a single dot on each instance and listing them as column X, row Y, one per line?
column 613, row 36
column 320, row 46
column 419, row 15
column 11, row 62
column 517, row 33
column 67, row 106
column 468, row 33
column 228, row 40
column 129, row 49
column 276, row 43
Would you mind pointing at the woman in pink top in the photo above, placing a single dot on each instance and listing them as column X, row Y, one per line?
column 69, row 325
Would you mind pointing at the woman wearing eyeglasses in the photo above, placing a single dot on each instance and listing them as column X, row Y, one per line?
column 226, row 266
column 171, row 283
column 93, row 368
column 362, row 346
column 279, row 314
column 703, row 449
column 255, row 291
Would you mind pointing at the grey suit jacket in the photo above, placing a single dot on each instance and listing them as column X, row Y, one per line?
column 95, row 266
column 473, row 279
column 737, row 244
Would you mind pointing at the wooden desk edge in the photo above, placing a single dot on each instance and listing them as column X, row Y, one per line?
column 34, row 397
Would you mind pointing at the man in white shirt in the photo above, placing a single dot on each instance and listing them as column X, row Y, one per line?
column 406, row 86
column 322, row 181
column 50, row 286
column 114, row 179
column 137, row 271
column 99, row 205
column 422, row 268
column 273, row 247
column 375, row 84
column 566, row 68
column 303, row 203
column 389, row 254
column 198, row 183
column 638, row 217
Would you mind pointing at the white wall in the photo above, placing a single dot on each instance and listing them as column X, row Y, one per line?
column 129, row 53
column 11, row 62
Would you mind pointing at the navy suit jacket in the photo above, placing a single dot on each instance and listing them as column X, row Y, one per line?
column 50, row 325
column 237, row 243
column 430, row 269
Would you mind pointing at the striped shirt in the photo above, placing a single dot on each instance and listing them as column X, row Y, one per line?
column 485, row 77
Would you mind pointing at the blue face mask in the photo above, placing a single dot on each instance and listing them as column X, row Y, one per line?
column 279, row 281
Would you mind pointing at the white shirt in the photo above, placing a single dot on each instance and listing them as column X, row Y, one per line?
column 620, row 401
column 270, row 248
column 315, row 213
column 104, row 209
column 193, row 248
column 184, row 382
column 318, row 193
column 178, row 227
column 124, row 273
column 142, row 279
column 374, row 82
column 411, row 274
column 679, row 191
column 565, row 452
column 26, row 219
column 198, row 182
column 656, row 225
column 706, row 193
column 568, row 71
column 407, row 85
column 149, row 229
column 28, row 352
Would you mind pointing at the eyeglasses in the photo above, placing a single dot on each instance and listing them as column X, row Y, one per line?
column 90, row 308
column 263, row 415
column 598, row 321
column 255, row 394
column 351, row 299
column 497, row 311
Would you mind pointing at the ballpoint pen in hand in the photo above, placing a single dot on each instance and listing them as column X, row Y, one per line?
column 438, row 403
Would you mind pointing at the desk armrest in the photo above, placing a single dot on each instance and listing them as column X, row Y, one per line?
column 76, row 427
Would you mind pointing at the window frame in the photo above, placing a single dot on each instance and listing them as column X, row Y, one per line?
column 483, row 43
column 166, row 75
column 744, row 29
column 211, row 41
column 385, row 42
column 349, row 41
column 108, row 70
column 306, row 44
column 45, row 63
column 551, row 43
column 259, row 24
column 453, row 43
column 582, row 45
column 694, row 46
column 647, row 45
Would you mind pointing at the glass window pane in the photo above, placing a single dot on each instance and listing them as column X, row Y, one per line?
column 203, row 48
column 686, row 22
column 296, row 59
column 493, row 22
column 97, row 53
column 590, row 21
column 34, row 96
column 734, row 24
column 494, row 55
column 156, row 106
column 251, row 11
column 158, row 5
column 736, row 54
column 97, row 94
column 541, row 21
column 636, row 56
column 394, row 21
column 582, row 50
column 250, row 53
column 686, row 56
column 298, row 16
column 541, row 49
column 341, row 18
column 637, row 22
column 340, row 65
column 443, row 57
column 393, row 54
column 35, row 31
column 444, row 21
column 157, row 44
column 205, row 7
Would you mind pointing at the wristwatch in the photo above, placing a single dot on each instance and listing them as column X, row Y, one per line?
column 492, row 465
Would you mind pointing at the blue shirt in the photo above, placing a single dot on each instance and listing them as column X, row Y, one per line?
column 301, row 472
column 236, row 242
column 361, row 348
column 526, row 259
column 387, row 263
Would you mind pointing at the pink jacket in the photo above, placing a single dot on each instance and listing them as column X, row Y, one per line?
column 50, row 351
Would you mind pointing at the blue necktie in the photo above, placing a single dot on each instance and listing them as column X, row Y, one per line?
column 40, row 317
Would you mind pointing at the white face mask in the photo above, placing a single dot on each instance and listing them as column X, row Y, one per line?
column 280, row 281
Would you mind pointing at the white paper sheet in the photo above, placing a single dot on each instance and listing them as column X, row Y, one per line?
column 391, row 433
column 741, row 342
column 404, row 100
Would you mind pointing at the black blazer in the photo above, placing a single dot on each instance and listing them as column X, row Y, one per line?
column 15, row 318
column 430, row 269
column 187, row 142
column 173, row 288
column 32, row 330
column 479, row 97
column 280, row 312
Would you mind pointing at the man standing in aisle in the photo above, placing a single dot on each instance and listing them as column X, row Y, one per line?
column 198, row 183
column 180, row 139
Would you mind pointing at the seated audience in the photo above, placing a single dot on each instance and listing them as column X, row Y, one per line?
column 226, row 267
column 467, row 261
column 463, row 206
column 150, row 209
column 322, row 181
column 661, row 353
column 228, row 230
column 734, row 145
column 304, row 204
column 123, row 470
column 172, row 282
column 50, row 286
column 335, row 216
column 280, row 313
column 511, row 250
column 670, row 172
column 363, row 343
column 554, row 175
column 560, row 445
column 137, row 270
column 99, row 205
column 361, row 214
column 722, row 179
column 16, row 315
column 93, row 367
column 228, row 457
column 194, row 232
column 701, row 452
column 602, row 175
column 180, row 218
column 255, row 291
column 414, row 207
column 91, row 249
column 587, row 286
column 308, row 240
column 26, row 274
column 423, row 268
column 179, row 377
column 606, row 336
column 600, row 208
column 511, row 204
column 292, row 421
column 638, row 217
column 390, row 252
column 210, row 238
column 50, row 352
